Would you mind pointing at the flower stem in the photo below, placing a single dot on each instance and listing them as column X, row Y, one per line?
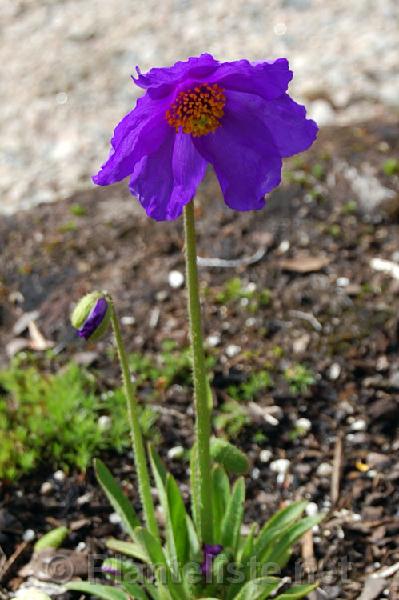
column 203, row 423
column 135, row 430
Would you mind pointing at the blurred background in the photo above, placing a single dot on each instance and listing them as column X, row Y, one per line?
column 66, row 69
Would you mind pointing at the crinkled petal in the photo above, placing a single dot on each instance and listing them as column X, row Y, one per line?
column 243, row 154
column 141, row 131
column 160, row 79
column 286, row 120
column 267, row 79
column 166, row 180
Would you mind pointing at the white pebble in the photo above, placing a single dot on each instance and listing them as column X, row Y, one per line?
column 59, row 475
column 284, row 246
column 46, row 488
column 213, row 340
column 114, row 518
column 311, row 509
column 85, row 499
column 128, row 320
column 343, row 282
column 255, row 473
column 104, row 423
column 28, row 535
column 176, row 452
column 334, row 371
column 304, row 424
column 359, row 425
column 232, row 350
column 324, row 469
column 81, row 547
column 176, row 279
column 265, row 456
column 281, row 465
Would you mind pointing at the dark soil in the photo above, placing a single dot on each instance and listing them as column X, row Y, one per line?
column 336, row 314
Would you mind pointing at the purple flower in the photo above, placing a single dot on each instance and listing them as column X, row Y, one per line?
column 210, row 551
column 237, row 116
column 94, row 319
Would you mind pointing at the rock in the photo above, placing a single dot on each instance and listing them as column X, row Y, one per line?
column 176, row 279
column 322, row 112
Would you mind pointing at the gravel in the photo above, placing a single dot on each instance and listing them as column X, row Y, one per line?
column 66, row 66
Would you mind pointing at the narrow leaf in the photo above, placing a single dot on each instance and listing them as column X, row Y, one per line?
column 232, row 520
column 278, row 552
column 117, row 498
column 128, row 548
column 296, row 592
column 258, row 589
column 134, row 591
column 151, row 546
column 220, row 498
column 105, row 592
column 276, row 524
column 178, row 521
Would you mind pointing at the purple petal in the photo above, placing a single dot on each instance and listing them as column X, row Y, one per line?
column 268, row 80
column 243, row 154
column 94, row 319
column 167, row 179
column 160, row 80
column 210, row 552
column 140, row 131
column 286, row 120
column 213, row 549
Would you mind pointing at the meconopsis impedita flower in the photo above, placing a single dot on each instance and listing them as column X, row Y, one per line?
column 236, row 116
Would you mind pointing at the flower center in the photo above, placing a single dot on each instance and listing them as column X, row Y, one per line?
column 198, row 111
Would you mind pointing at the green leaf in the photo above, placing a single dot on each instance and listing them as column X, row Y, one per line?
column 230, row 457
column 174, row 511
column 117, row 498
column 150, row 545
column 234, row 512
column 135, row 591
column 193, row 540
column 220, row 498
column 258, row 589
column 278, row 553
column 52, row 539
column 247, row 547
column 297, row 591
column 276, row 524
column 128, row 548
column 101, row 591
column 178, row 521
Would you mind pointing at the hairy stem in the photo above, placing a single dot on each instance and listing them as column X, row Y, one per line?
column 202, row 412
column 135, row 430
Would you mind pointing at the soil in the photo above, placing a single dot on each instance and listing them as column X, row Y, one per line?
column 330, row 309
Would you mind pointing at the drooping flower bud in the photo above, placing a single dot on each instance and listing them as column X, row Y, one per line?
column 91, row 316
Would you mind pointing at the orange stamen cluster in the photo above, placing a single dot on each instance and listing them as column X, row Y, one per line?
column 197, row 111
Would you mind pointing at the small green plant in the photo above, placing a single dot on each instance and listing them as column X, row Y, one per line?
column 391, row 166
column 299, row 378
column 59, row 419
column 77, row 210
column 249, row 389
column 251, row 297
column 350, row 207
column 231, row 418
